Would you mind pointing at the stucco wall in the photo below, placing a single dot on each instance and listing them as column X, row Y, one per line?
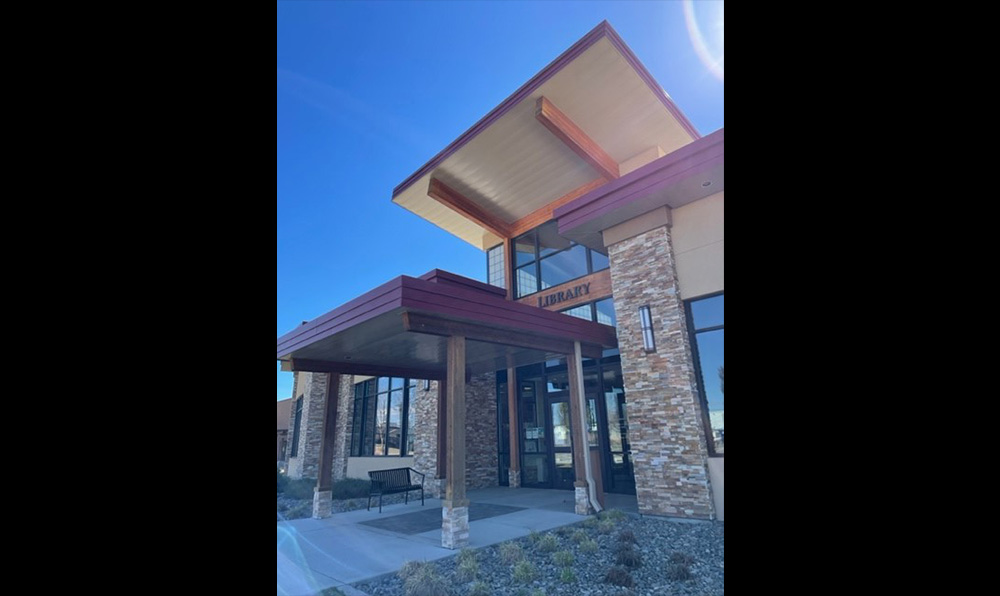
column 358, row 467
column 717, row 468
column 699, row 236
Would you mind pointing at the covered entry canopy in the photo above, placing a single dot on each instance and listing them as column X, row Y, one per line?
column 402, row 329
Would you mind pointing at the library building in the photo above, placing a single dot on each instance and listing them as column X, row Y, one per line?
column 592, row 357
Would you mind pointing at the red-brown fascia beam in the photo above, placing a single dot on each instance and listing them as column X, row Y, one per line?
column 454, row 200
column 568, row 132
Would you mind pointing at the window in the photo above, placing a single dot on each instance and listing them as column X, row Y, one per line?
column 544, row 260
column 383, row 418
column 496, row 267
column 602, row 311
column 707, row 318
column 298, row 427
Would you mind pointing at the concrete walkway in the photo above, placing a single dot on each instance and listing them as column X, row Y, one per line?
column 314, row 555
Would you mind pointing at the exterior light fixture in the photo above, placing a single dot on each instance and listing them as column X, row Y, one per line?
column 648, row 338
column 427, row 385
column 707, row 184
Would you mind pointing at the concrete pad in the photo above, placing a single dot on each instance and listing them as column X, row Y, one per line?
column 317, row 554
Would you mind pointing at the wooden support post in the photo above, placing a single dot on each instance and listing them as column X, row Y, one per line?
column 581, row 436
column 455, row 528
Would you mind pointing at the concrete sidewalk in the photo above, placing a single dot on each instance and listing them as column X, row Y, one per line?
column 314, row 555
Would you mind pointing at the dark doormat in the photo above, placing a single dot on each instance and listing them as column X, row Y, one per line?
column 430, row 519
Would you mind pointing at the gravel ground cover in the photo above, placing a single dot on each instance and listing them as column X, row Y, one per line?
column 616, row 555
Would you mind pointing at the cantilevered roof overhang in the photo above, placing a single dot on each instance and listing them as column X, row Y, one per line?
column 402, row 328
column 603, row 112
column 683, row 177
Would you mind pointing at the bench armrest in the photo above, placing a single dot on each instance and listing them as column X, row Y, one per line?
column 422, row 476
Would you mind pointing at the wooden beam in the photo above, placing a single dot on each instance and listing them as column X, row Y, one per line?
column 581, row 441
column 454, row 200
column 598, row 287
column 577, row 140
column 326, row 448
column 431, row 325
column 455, row 493
column 547, row 213
column 365, row 370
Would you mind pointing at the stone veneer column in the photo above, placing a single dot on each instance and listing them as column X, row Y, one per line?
column 482, row 453
column 313, row 392
column 664, row 410
column 425, row 446
column 345, row 428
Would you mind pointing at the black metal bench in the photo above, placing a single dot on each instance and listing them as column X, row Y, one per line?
column 394, row 482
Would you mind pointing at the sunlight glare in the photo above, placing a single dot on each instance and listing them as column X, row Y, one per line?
column 706, row 24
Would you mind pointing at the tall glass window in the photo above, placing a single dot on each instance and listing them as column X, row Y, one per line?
column 297, row 432
column 546, row 260
column 708, row 322
column 384, row 418
column 496, row 267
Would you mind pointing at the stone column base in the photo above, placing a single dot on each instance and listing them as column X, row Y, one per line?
column 455, row 527
column 322, row 504
column 515, row 479
column 583, row 506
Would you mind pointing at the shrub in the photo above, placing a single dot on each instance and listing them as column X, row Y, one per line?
column 548, row 544
column 620, row 576
column 480, row 589
column 579, row 537
column 564, row 532
column 525, row 572
column 511, row 553
column 568, row 577
column 282, row 482
column 590, row 547
column 410, row 569
column 299, row 511
column 615, row 515
column 351, row 489
column 539, row 593
column 607, row 527
column 627, row 537
column 684, row 559
column 427, row 582
column 534, row 537
column 468, row 571
column 302, row 490
column 629, row 558
column 679, row 573
column 564, row 559
column 467, row 556
column 591, row 523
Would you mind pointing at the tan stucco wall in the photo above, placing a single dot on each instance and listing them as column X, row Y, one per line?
column 717, row 468
column 358, row 467
column 699, row 235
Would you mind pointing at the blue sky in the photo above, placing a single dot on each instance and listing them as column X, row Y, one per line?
column 368, row 92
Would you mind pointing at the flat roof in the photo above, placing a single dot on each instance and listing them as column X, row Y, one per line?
column 401, row 329
column 508, row 165
column 683, row 177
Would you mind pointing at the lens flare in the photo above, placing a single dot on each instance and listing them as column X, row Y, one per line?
column 706, row 24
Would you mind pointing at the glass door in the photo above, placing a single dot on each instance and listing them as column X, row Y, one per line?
column 562, row 443
column 622, row 472
column 535, row 437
